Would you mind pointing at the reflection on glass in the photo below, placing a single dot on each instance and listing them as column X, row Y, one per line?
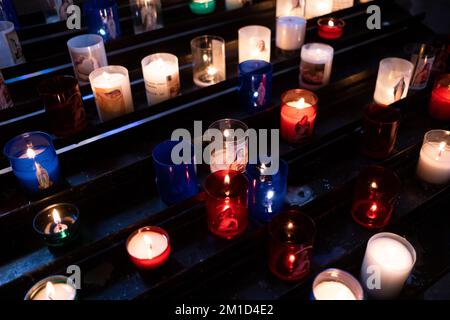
column 8, row 12
column 146, row 15
column 102, row 18
column 55, row 10
column 208, row 60
column 236, row 4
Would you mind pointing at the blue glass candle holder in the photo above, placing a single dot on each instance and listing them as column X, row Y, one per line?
column 102, row 18
column 8, row 12
column 34, row 161
column 175, row 182
column 266, row 192
column 255, row 84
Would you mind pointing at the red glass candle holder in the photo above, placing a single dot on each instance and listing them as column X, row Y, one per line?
column 227, row 203
column 148, row 247
column 298, row 115
column 379, row 130
column 439, row 107
column 63, row 105
column 377, row 190
column 292, row 237
column 330, row 28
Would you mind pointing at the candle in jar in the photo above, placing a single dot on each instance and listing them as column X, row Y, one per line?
column 316, row 8
column 330, row 28
column 202, row 6
column 53, row 288
column 342, row 4
column 236, row 4
column 254, row 43
column 434, row 161
column 292, row 8
column 5, row 98
column 161, row 76
column 208, row 60
column 316, row 64
column 333, row 290
column 148, row 247
column 290, row 33
column 10, row 48
column 387, row 263
column 439, row 107
column 394, row 76
column 112, row 91
column 335, row 284
column 298, row 115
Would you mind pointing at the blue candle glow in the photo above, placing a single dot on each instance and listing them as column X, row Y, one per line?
column 266, row 192
column 175, row 182
column 255, row 84
column 34, row 161
column 102, row 18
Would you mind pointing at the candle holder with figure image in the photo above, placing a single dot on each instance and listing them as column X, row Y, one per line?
column 422, row 57
column 5, row 98
column 63, row 105
column 317, row 8
column 10, row 48
column 226, row 203
column 34, row 162
column 146, row 14
column 102, row 18
column 316, row 64
column 439, row 107
column 208, row 60
column 53, row 288
column 202, row 6
column 254, row 43
column 255, row 84
column 376, row 192
column 290, row 8
column 55, row 10
column 87, row 53
column 57, row 224
column 292, row 235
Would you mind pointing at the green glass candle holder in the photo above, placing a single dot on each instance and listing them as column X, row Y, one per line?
column 202, row 6
column 57, row 224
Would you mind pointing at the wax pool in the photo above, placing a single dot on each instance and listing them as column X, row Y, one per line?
column 53, row 288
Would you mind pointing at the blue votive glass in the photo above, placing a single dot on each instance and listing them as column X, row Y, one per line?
column 255, row 84
column 34, row 161
column 102, row 18
column 8, row 12
column 266, row 192
column 175, row 182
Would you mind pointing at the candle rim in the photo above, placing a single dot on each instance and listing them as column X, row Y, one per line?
column 55, row 279
column 6, row 26
column 338, row 22
column 171, row 144
column 369, row 110
column 91, row 40
column 155, row 229
column 58, row 85
column 350, row 281
column 165, row 56
column 24, row 136
column 299, row 20
column 108, row 69
column 73, row 210
column 198, row 41
column 302, row 93
column 255, row 28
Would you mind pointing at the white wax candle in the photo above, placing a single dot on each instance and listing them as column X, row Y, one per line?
column 147, row 245
column 387, row 264
column 316, row 8
column 434, row 163
column 299, row 104
column 112, row 91
column 10, row 47
column 290, row 8
column 161, row 76
column 290, row 33
column 254, row 43
column 316, row 64
column 333, row 290
column 55, row 291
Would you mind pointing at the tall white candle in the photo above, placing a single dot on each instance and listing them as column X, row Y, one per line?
column 387, row 263
column 316, row 64
column 316, row 8
column 161, row 76
column 290, row 33
column 434, row 161
column 394, row 76
column 254, row 43
column 112, row 91
column 290, row 8
column 10, row 48
column 147, row 245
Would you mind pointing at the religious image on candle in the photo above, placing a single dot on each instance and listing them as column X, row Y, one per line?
column 146, row 15
column 290, row 8
column 422, row 57
column 11, row 50
column 5, row 98
column 254, row 43
column 316, row 64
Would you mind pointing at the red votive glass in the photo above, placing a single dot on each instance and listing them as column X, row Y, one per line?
column 227, row 203
column 148, row 247
column 298, row 115
column 376, row 193
column 63, row 105
column 439, row 107
column 379, row 130
column 292, row 237
column 330, row 28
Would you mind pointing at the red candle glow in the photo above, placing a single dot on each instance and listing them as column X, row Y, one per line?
column 439, row 107
column 298, row 114
column 226, row 203
column 330, row 28
column 148, row 247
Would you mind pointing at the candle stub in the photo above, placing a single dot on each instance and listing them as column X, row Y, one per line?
column 333, row 290
column 53, row 288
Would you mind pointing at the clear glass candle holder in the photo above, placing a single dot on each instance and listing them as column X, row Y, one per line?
column 10, row 48
column 208, row 60
column 439, row 106
column 147, row 15
column 254, row 43
column 53, row 288
column 57, row 224
column 232, row 151
column 292, row 236
column 102, row 17
column 335, row 284
column 255, row 84
column 376, row 194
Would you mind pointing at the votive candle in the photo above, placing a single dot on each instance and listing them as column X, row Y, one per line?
column 208, row 60
column 254, row 43
column 53, row 288
column 102, row 18
column 202, row 6
column 335, row 284
column 255, row 84
column 316, row 8
column 292, row 8
column 330, row 28
column 290, row 33
column 147, row 15
column 316, row 64
column 439, row 107
column 10, row 48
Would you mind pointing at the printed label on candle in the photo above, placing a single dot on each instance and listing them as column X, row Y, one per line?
column 43, row 178
column 149, row 15
column 5, row 98
column 14, row 46
column 312, row 73
column 84, row 64
column 168, row 89
column 111, row 102
column 399, row 89
column 422, row 71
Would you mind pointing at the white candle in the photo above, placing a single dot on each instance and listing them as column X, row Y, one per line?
column 335, row 284
column 394, row 76
column 333, row 290
column 53, row 288
column 434, row 161
column 112, row 91
column 387, row 263
column 10, row 47
column 290, row 33
column 161, row 76
column 342, row 4
column 290, row 8
column 147, row 245
column 254, row 43
column 316, row 64
column 316, row 8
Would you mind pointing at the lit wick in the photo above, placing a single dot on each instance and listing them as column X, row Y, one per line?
column 148, row 243
column 372, row 211
column 226, row 181
column 374, row 185
column 60, row 227
column 291, row 261
column 330, row 23
column 30, row 153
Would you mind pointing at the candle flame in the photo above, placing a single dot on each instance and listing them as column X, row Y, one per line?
column 227, row 180
column 262, row 168
column 330, row 23
column 290, row 225
column 442, row 147
column 374, row 207
column 226, row 133
column 211, row 71
column 300, row 104
column 56, row 216
column 148, row 242
column 270, row 194
column 291, row 258
column 30, row 153
column 374, row 185
column 49, row 290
